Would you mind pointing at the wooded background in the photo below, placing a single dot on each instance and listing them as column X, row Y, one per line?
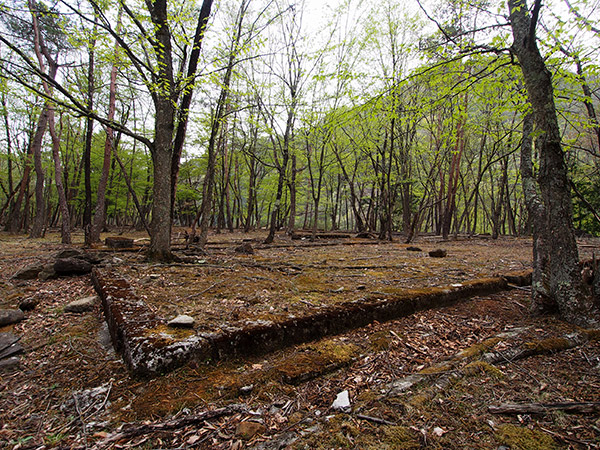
column 376, row 117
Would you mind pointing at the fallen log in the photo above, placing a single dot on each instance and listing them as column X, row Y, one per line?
column 135, row 430
column 545, row 408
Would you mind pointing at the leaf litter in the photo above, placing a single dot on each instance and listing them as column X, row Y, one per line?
column 289, row 393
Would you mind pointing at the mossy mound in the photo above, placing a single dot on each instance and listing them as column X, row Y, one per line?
column 483, row 368
column 520, row 438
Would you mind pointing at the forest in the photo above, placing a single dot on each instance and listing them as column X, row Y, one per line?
column 345, row 224
column 395, row 118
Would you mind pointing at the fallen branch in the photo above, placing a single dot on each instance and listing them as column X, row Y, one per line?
column 569, row 439
column 134, row 430
column 544, row 408
column 375, row 420
column 542, row 347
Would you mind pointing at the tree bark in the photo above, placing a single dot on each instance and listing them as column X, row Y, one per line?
column 89, row 134
column 558, row 278
column 100, row 210
column 292, row 187
column 58, row 179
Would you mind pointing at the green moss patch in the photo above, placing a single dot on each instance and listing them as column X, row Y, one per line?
column 483, row 368
column 520, row 438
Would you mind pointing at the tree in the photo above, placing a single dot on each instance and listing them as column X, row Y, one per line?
column 169, row 76
column 217, row 125
column 557, row 281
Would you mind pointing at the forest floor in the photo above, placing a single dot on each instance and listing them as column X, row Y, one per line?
column 429, row 380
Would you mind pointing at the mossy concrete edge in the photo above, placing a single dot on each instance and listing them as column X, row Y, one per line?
column 149, row 348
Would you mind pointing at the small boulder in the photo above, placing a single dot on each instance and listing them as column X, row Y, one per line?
column 28, row 304
column 82, row 305
column 10, row 316
column 245, row 248
column 247, row 430
column 72, row 266
column 70, row 253
column 438, row 253
column 365, row 235
column 182, row 321
column 9, row 345
column 9, row 363
column 118, row 242
column 47, row 273
column 79, row 254
column 30, row 272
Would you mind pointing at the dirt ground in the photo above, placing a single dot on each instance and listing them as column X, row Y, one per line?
column 415, row 382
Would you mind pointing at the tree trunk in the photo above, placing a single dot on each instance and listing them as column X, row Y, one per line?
column 207, row 188
column 89, row 133
column 39, row 220
column 14, row 221
column 292, row 187
column 58, row 177
column 100, row 210
column 558, row 280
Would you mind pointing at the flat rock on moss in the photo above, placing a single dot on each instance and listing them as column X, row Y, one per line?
column 182, row 321
column 82, row 305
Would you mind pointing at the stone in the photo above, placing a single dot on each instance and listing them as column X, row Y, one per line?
column 90, row 400
column 245, row 248
column 438, row 253
column 118, row 242
column 10, row 316
column 12, row 350
column 28, row 304
column 82, row 305
column 365, row 235
column 182, row 321
column 9, row 347
column 246, row 390
column 78, row 254
column 70, row 253
column 9, row 363
column 414, row 249
column 8, row 339
column 247, row 430
column 342, row 401
column 48, row 273
column 72, row 266
column 30, row 272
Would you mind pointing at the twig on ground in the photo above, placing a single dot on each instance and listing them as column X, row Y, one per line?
column 145, row 429
column 544, row 408
column 375, row 419
column 568, row 439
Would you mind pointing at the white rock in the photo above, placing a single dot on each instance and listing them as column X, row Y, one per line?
column 342, row 401
column 182, row 321
column 439, row 432
column 82, row 305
